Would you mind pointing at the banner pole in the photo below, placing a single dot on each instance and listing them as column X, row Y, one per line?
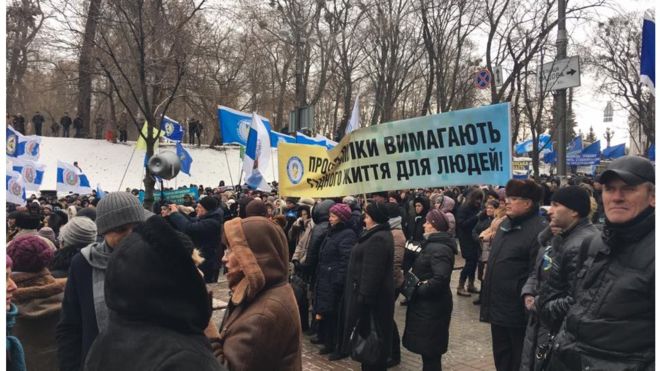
column 126, row 170
column 231, row 179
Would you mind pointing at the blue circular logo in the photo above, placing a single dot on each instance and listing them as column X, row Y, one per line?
column 295, row 170
column 12, row 144
column 244, row 129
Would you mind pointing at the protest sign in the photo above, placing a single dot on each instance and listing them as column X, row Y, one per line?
column 175, row 196
column 471, row 146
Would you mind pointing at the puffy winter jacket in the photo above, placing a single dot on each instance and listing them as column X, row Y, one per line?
column 611, row 325
column 512, row 258
column 320, row 215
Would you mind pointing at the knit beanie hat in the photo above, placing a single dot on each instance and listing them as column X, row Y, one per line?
column 26, row 220
column 438, row 220
column 79, row 231
column 30, row 253
column 573, row 197
column 378, row 212
column 117, row 209
column 393, row 210
column 209, row 203
column 342, row 211
column 48, row 233
column 256, row 208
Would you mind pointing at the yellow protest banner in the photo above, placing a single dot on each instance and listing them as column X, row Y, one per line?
column 471, row 146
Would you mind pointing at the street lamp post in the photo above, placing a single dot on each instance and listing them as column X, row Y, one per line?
column 560, row 96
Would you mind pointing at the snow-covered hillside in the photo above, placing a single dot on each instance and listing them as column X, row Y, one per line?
column 105, row 163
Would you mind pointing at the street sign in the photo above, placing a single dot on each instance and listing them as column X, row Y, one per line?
column 482, row 78
column 561, row 74
column 498, row 77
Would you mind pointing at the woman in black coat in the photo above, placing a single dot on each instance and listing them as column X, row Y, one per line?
column 370, row 283
column 429, row 312
column 466, row 219
column 331, row 276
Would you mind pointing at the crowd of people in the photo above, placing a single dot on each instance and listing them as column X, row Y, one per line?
column 563, row 274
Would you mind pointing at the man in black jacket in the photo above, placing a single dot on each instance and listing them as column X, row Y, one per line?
column 77, row 126
column 65, row 121
column 205, row 230
column 84, row 311
column 38, row 122
column 512, row 257
column 569, row 226
column 611, row 324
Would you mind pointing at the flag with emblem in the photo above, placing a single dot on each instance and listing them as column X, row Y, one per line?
column 70, row 179
column 32, row 173
column 257, row 155
column 235, row 125
column 277, row 138
column 172, row 129
column 15, row 188
column 184, row 156
column 22, row 146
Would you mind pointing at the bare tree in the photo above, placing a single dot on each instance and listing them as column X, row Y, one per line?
column 614, row 51
column 24, row 20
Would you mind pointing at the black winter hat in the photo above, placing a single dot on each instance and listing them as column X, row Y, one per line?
column 632, row 170
column 393, row 210
column 26, row 220
column 209, row 203
column 154, row 259
column 378, row 212
column 524, row 188
column 573, row 197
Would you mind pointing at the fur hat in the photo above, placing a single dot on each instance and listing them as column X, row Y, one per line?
column 256, row 208
column 438, row 220
column 26, row 220
column 30, row 253
column 526, row 188
column 209, row 203
column 154, row 258
column 306, row 201
column 378, row 212
column 575, row 198
column 342, row 211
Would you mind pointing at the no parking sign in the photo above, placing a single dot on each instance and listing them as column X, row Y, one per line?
column 482, row 78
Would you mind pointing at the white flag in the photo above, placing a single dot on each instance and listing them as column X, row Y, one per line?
column 71, row 179
column 354, row 122
column 15, row 188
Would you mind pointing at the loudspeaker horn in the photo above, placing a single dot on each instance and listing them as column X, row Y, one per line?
column 165, row 165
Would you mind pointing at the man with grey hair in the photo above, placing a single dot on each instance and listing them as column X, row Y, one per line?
column 611, row 324
column 84, row 312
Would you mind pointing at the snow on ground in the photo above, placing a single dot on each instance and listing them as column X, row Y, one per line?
column 105, row 163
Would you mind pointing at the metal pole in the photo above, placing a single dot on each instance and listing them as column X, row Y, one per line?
column 560, row 96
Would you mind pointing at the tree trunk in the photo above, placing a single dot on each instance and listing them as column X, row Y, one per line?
column 85, row 66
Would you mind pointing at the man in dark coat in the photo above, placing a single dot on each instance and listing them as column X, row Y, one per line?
column 66, row 122
column 320, row 216
column 569, row 226
column 512, row 257
column 370, row 284
column 611, row 324
column 205, row 230
column 162, row 330
column 77, row 126
column 38, row 122
column 19, row 123
column 84, row 310
column 331, row 276
column 466, row 218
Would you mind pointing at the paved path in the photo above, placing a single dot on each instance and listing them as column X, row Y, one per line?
column 469, row 339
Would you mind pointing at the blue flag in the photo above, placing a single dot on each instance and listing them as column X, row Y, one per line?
column 617, row 151
column 573, row 149
column 99, row 192
column 15, row 188
column 304, row 139
column 184, row 156
column 22, row 146
column 277, row 138
column 235, row 125
column 590, row 155
column 647, row 59
column 651, row 152
column 172, row 129
column 526, row 146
